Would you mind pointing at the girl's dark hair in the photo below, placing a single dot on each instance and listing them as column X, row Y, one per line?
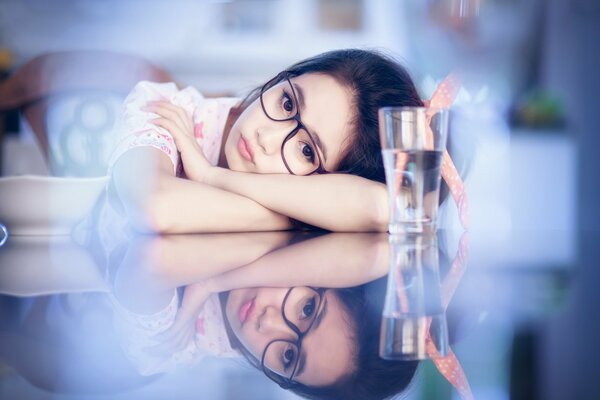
column 371, row 376
column 375, row 81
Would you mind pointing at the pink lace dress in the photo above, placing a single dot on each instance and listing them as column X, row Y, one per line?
column 137, row 336
column 134, row 128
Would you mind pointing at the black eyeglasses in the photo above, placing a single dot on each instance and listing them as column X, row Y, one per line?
column 299, row 150
column 280, row 359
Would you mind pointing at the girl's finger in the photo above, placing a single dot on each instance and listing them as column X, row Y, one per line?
column 166, row 115
column 181, row 139
column 171, row 111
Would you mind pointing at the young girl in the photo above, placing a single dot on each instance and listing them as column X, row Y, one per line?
column 268, row 161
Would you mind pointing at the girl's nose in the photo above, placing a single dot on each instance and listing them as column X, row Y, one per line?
column 271, row 323
column 271, row 138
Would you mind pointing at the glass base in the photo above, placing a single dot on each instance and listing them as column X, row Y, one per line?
column 405, row 337
column 412, row 227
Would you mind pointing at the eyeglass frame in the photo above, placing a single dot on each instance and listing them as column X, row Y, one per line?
column 283, row 382
column 285, row 75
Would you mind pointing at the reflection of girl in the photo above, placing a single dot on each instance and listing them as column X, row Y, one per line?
column 246, row 161
column 337, row 353
column 324, row 344
column 319, row 343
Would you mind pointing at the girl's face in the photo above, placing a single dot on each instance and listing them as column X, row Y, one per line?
column 254, row 143
column 255, row 316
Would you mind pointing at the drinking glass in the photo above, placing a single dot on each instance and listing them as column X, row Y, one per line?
column 413, row 140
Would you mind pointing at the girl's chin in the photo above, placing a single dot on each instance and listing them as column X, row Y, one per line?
column 240, row 168
column 234, row 163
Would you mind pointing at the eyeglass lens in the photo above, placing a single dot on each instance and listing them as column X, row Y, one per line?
column 299, row 151
column 300, row 309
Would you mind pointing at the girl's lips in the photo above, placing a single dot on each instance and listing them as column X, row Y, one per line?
column 245, row 149
column 246, row 310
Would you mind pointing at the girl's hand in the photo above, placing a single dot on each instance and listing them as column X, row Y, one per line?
column 181, row 126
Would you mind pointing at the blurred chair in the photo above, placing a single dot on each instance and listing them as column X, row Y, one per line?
column 71, row 101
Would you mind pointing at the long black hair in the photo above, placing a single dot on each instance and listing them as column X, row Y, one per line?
column 375, row 80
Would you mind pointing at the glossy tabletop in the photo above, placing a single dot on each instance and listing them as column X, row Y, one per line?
column 82, row 317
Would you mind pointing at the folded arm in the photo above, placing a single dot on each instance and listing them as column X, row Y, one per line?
column 334, row 260
column 163, row 203
column 217, row 263
column 336, row 202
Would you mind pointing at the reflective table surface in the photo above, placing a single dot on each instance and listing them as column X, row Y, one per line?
column 488, row 315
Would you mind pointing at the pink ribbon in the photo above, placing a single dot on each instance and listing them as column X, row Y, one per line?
column 448, row 365
column 442, row 98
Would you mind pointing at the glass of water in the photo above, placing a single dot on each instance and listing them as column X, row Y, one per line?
column 413, row 141
column 413, row 324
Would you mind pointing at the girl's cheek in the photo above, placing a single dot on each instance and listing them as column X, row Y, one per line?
column 250, row 345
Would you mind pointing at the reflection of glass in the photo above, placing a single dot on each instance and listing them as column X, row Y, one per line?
column 413, row 316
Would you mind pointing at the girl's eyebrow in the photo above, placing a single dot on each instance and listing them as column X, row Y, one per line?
column 315, row 135
column 302, row 361
column 300, row 93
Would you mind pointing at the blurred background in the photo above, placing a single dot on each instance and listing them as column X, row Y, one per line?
column 524, row 132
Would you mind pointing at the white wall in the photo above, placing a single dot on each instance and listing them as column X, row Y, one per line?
column 188, row 38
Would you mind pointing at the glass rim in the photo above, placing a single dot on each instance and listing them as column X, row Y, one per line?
column 412, row 108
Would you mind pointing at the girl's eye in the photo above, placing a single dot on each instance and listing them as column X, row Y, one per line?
column 289, row 356
column 287, row 103
column 307, row 152
column 309, row 308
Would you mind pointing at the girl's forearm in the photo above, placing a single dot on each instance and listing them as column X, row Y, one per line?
column 316, row 262
column 155, row 265
column 160, row 202
column 335, row 202
column 184, row 206
column 178, row 260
